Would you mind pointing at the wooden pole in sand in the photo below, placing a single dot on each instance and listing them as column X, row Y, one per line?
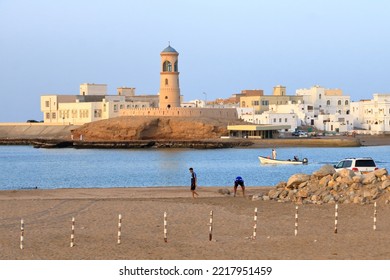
column 165, row 227
column 254, row 224
column 211, row 226
column 119, row 228
column 374, row 226
column 72, row 233
column 336, row 214
column 21, row 234
column 296, row 220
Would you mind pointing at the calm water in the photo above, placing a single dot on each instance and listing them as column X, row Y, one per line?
column 25, row 167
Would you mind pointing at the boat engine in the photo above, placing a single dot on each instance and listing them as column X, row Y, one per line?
column 305, row 161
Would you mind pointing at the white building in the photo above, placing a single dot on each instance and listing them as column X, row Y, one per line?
column 372, row 115
column 92, row 104
column 325, row 101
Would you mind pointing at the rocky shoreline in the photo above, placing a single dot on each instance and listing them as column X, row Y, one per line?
column 328, row 186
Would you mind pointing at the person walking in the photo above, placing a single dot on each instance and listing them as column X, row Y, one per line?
column 239, row 182
column 193, row 183
column 273, row 154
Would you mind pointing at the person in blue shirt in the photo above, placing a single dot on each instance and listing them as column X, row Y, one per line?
column 193, row 183
column 239, row 182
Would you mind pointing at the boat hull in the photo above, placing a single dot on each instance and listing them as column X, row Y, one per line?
column 267, row 160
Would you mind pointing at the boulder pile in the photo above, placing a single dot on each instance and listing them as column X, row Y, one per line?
column 328, row 186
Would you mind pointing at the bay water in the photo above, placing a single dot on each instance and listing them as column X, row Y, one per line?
column 24, row 167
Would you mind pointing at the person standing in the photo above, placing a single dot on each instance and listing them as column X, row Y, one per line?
column 239, row 182
column 273, row 154
column 193, row 183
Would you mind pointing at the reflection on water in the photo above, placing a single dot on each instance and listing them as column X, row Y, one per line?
column 26, row 167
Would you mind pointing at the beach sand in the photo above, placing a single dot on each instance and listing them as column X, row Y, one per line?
column 47, row 218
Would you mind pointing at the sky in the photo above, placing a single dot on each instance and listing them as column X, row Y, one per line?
column 51, row 47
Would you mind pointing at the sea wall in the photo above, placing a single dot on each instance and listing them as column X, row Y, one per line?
column 35, row 131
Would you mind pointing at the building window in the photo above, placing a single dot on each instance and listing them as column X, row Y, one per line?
column 166, row 82
column 166, row 97
column 328, row 102
column 339, row 102
column 280, row 119
column 47, row 103
column 285, row 120
column 176, row 67
column 53, row 115
column 115, row 108
column 319, row 96
column 346, row 102
column 274, row 120
column 264, row 102
column 167, row 66
column 255, row 103
column 47, row 115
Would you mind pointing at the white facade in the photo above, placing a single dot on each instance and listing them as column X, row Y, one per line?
column 372, row 115
column 93, row 89
column 334, row 123
column 87, row 107
column 270, row 117
column 325, row 101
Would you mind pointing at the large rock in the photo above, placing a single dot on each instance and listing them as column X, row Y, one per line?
column 369, row 178
column 154, row 128
column 324, row 170
column 297, row 179
column 346, row 173
column 385, row 185
column 380, row 172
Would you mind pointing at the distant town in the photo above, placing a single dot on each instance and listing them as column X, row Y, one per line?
column 316, row 108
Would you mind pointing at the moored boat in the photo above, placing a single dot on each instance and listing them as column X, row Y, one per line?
column 268, row 160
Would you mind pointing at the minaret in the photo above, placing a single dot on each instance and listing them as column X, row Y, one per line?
column 169, row 79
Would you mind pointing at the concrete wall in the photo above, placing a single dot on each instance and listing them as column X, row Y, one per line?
column 35, row 130
column 229, row 113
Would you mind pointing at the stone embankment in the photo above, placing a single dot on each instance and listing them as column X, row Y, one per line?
column 328, row 186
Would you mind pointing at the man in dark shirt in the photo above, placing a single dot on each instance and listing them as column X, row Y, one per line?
column 193, row 183
column 239, row 182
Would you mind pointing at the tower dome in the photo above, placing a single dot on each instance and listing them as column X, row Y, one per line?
column 169, row 49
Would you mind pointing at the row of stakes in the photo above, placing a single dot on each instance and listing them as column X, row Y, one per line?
column 72, row 235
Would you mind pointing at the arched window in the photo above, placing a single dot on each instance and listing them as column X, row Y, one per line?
column 176, row 68
column 328, row 102
column 346, row 102
column 339, row 102
column 166, row 82
column 167, row 66
column 319, row 97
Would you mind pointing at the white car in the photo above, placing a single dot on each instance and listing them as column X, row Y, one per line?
column 357, row 165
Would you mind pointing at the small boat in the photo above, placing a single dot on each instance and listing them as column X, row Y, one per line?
column 268, row 160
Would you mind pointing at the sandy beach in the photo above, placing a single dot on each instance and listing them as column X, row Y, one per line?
column 47, row 218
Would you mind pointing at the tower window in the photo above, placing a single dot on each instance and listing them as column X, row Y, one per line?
column 167, row 66
column 166, row 82
column 176, row 67
column 166, row 97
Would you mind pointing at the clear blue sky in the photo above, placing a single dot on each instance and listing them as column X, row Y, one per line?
column 51, row 47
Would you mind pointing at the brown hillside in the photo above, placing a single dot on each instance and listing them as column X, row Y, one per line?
column 154, row 128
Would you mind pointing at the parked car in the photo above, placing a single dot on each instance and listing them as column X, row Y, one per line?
column 357, row 165
column 297, row 132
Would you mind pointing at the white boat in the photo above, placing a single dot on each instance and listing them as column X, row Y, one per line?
column 268, row 160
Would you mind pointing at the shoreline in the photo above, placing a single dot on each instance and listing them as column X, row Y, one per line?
column 327, row 141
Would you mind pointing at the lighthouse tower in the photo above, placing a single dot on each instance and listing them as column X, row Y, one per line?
column 169, row 79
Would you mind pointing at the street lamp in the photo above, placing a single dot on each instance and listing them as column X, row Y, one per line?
column 205, row 102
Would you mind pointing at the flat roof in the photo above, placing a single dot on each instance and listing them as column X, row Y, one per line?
column 259, row 127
